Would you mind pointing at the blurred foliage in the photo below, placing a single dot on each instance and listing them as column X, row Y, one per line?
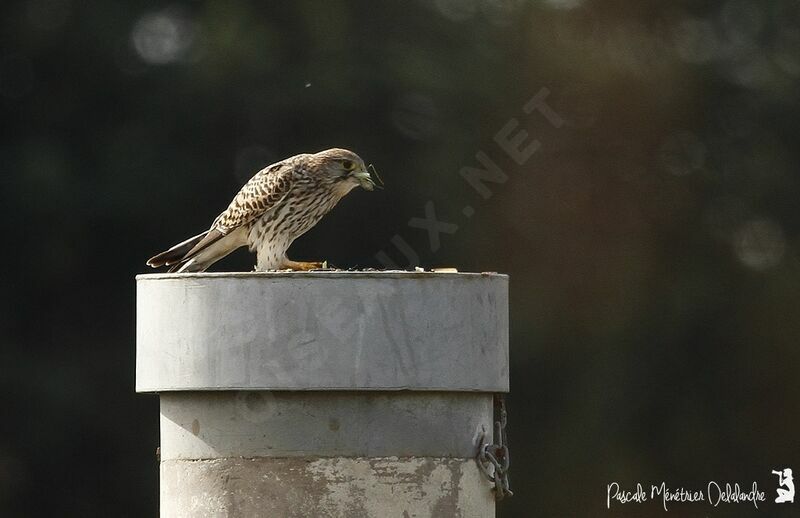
column 651, row 241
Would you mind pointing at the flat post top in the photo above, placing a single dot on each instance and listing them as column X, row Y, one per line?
column 322, row 331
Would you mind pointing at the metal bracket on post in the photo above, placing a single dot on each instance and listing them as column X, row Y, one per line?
column 494, row 459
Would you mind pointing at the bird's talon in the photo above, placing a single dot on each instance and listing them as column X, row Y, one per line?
column 303, row 266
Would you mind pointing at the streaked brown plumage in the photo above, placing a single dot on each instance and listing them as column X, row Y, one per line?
column 279, row 204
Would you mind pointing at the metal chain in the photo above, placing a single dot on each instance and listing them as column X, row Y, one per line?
column 494, row 459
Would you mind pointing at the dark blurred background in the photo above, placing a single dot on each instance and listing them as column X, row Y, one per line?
column 651, row 240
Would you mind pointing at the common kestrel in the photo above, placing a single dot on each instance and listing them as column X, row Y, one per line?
column 275, row 207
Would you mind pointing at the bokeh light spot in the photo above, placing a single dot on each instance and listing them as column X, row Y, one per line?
column 759, row 244
column 163, row 37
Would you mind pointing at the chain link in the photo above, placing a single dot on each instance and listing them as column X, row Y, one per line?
column 494, row 459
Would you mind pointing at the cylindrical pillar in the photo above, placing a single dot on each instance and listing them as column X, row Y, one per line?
column 358, row 394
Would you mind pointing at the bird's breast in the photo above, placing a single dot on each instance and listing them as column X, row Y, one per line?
column 271, row 234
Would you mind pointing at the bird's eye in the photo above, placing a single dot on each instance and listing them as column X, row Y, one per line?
column 348, row 165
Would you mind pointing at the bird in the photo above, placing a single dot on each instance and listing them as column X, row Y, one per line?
column 276, row 206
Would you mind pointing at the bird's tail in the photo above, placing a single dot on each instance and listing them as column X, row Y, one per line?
column 199, row 252
column 177, row 253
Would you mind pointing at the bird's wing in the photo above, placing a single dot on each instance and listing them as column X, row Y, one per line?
column 262, row 193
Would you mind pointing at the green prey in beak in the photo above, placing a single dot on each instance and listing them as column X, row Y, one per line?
column 365, row 179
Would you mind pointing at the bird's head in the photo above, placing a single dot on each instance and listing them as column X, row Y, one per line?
column 346, row 169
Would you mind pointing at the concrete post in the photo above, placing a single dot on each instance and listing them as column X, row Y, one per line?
column 357, row 394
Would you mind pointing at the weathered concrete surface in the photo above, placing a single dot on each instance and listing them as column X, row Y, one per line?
column 325, row 488
column 207, row 425
column 332, row 394
column 322, row 331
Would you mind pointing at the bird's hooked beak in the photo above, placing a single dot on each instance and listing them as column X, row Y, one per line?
column 364, row 179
